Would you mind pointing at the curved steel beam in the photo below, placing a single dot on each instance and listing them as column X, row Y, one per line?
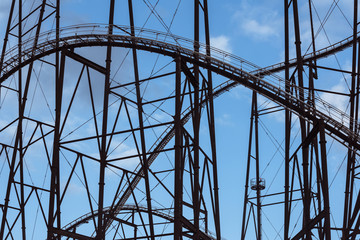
column 156, row 212
column 102, row 28
column 224, row 67
column 321, row 53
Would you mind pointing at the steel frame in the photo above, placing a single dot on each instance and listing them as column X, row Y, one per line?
column 201, row 169
column 312, row 149
column 194, row 166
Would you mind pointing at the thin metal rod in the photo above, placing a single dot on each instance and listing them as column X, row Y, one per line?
column 351, row 156
column 59, row 78
column 196, row 124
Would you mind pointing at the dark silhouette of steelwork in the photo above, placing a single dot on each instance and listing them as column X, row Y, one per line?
column 164, row 184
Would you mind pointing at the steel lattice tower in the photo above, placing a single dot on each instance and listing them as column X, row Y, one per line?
column 94, row 144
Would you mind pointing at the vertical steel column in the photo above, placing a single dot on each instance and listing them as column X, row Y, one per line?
column 312, row 65
column 55, row 171
column 325, row 183
column 54, row 213
column 103, row 153
column 196, row 124
column 22, row 97
column 144, row 160
column 257, row 157
column 312, row 40
column 254, row 128
column 351, row 155
column 357, row 95
column 212, row 125
column 305, row 160
column 246, row 192
column 321, row 172
column 178, row 181
column 356, row 118
column 287, row 123
column 59, row 72
column 20, row 126
column 19, row 135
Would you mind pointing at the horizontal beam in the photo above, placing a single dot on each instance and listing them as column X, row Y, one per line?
column 84, row 61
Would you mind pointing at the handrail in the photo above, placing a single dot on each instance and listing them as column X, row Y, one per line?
column 85, row 29
column 323, row 52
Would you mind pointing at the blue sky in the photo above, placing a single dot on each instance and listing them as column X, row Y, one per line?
column 252, row 30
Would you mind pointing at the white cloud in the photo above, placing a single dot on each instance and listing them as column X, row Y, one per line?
column 4, row 8
column 221, row 42
column 75, row 188
column 337, row 101
column 122, row 150
column 258, row 30
column 8, row 134
column 4, row 14
column 258, row 22
column 225, row 120
column 241, row 93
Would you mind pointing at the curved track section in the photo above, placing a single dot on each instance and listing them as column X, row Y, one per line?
column 238, row 70
column 227, row 65
column 162, row 213
column 321, row 53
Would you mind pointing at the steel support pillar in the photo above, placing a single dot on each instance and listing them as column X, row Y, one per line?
column 254, row 132
column 178, row 181
column 55, row 196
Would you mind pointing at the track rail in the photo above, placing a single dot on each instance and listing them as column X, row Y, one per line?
column 162, row 213
column 321, row 53
column 220, row 62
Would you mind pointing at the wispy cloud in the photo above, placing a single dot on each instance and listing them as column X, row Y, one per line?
column 124, row 150
column 338, row 101
column 258, row 30
column 225, row 120
column 4, row 13
column 4, row 8
column 221, row 42
column 260, row 22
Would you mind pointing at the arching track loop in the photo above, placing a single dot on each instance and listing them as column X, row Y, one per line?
column 169, row 216
column 223, row 63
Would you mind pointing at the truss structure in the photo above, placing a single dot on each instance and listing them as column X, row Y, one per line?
column 90, row 149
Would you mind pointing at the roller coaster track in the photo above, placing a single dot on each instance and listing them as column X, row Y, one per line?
column 238, row 70
column 162, row 213
column 321, row 53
